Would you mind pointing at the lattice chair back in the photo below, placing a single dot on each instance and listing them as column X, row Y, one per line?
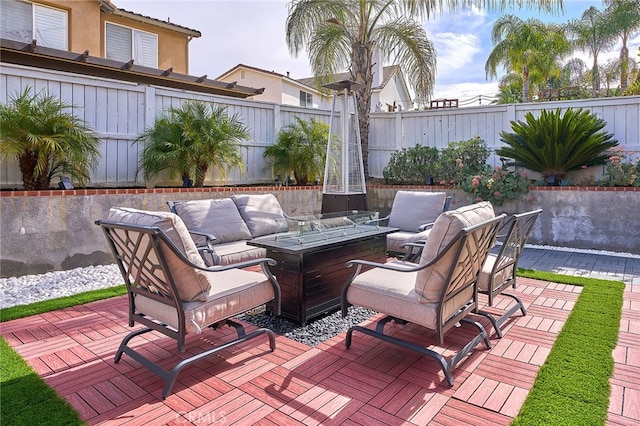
column 173, row 292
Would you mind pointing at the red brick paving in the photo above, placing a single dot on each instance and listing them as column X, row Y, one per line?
column 372, row 383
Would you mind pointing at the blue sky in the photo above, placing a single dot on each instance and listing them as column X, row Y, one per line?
column 252, row 32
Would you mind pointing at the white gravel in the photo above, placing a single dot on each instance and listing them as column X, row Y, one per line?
column 35, row 288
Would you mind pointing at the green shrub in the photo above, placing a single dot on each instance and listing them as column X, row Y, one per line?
column 42, row 134
column 460, row 160
column 556, row 142
column 300, row 150
column 411, row 165
column 190, row 139
column 496, row 185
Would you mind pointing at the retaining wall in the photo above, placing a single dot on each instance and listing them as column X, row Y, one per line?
column 42, row 231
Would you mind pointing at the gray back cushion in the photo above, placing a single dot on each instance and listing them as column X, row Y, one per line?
column 262, row 213
column 218, row 217
column 411, row 209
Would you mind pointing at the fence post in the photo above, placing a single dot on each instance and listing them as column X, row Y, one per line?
column 149, row 106
column 398, row 131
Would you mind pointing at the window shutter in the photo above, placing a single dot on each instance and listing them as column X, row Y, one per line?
column 15, row 21
column 118, row 43
column 51, row 27
column 146, row 49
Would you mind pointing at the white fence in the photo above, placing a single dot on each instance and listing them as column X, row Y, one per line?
column 437, row 128
column 119, row 111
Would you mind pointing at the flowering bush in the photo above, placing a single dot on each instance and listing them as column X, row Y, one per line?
column 461, row 159
column 619, row 172
column 496, row 185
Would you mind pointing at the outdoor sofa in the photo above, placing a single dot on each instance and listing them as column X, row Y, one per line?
column 221, row 227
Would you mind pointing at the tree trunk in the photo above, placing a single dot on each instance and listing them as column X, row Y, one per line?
column 201, row 172
column 595, row 75
column 525, row 84
column 624, row 67
column 361, row 73
column 30, row 179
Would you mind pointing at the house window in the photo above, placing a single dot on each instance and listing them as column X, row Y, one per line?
column 23, row 21
column 306, row 99
column 124, row 43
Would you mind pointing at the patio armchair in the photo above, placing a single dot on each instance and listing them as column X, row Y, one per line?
column 171, row 291
column 499, row 271
column 439, row 292
column 413, row 213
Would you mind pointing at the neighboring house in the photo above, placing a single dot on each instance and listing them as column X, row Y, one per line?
column 389, row 93
column 278, row 88
column 101, row 29
column 94, row 37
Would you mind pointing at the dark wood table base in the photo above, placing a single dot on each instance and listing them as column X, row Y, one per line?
column 311, row 281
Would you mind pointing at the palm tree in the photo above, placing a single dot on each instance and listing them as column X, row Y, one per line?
column 623, row 18
column 556, row 142
column 528, row 48
column 592, row 33
column 509, row 90
column 191, row 139
column 300, row 150
column 342, row 34
column 46, row 139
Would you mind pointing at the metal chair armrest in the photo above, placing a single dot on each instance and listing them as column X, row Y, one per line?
column 425, row 226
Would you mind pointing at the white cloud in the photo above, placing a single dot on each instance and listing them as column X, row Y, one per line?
column 455, row 51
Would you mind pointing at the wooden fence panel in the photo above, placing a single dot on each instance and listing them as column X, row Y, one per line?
column 119, row 111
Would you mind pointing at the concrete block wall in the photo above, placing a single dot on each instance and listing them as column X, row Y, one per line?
column 42, row 231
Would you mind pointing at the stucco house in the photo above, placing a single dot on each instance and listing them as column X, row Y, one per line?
column 278, row 88
column 389, row 90
column 95, row 37
column 99, row 27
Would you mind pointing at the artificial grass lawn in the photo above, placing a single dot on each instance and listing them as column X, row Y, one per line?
column 26, row 398
column 22, row 311
column 572, row 387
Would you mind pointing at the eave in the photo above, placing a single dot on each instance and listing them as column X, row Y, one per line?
column 30, row 54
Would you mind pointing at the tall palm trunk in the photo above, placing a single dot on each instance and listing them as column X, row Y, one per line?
column 624, row 66
column 595, row 75
column 525, row 84
column 31, row 179
column 361, row 73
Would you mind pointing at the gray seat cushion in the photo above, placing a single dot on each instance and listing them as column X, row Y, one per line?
column 234, row 252
column 232, row 292
column 396, row 240
column 394, row 294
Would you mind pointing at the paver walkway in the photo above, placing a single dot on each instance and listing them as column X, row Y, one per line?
column 371, row 383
